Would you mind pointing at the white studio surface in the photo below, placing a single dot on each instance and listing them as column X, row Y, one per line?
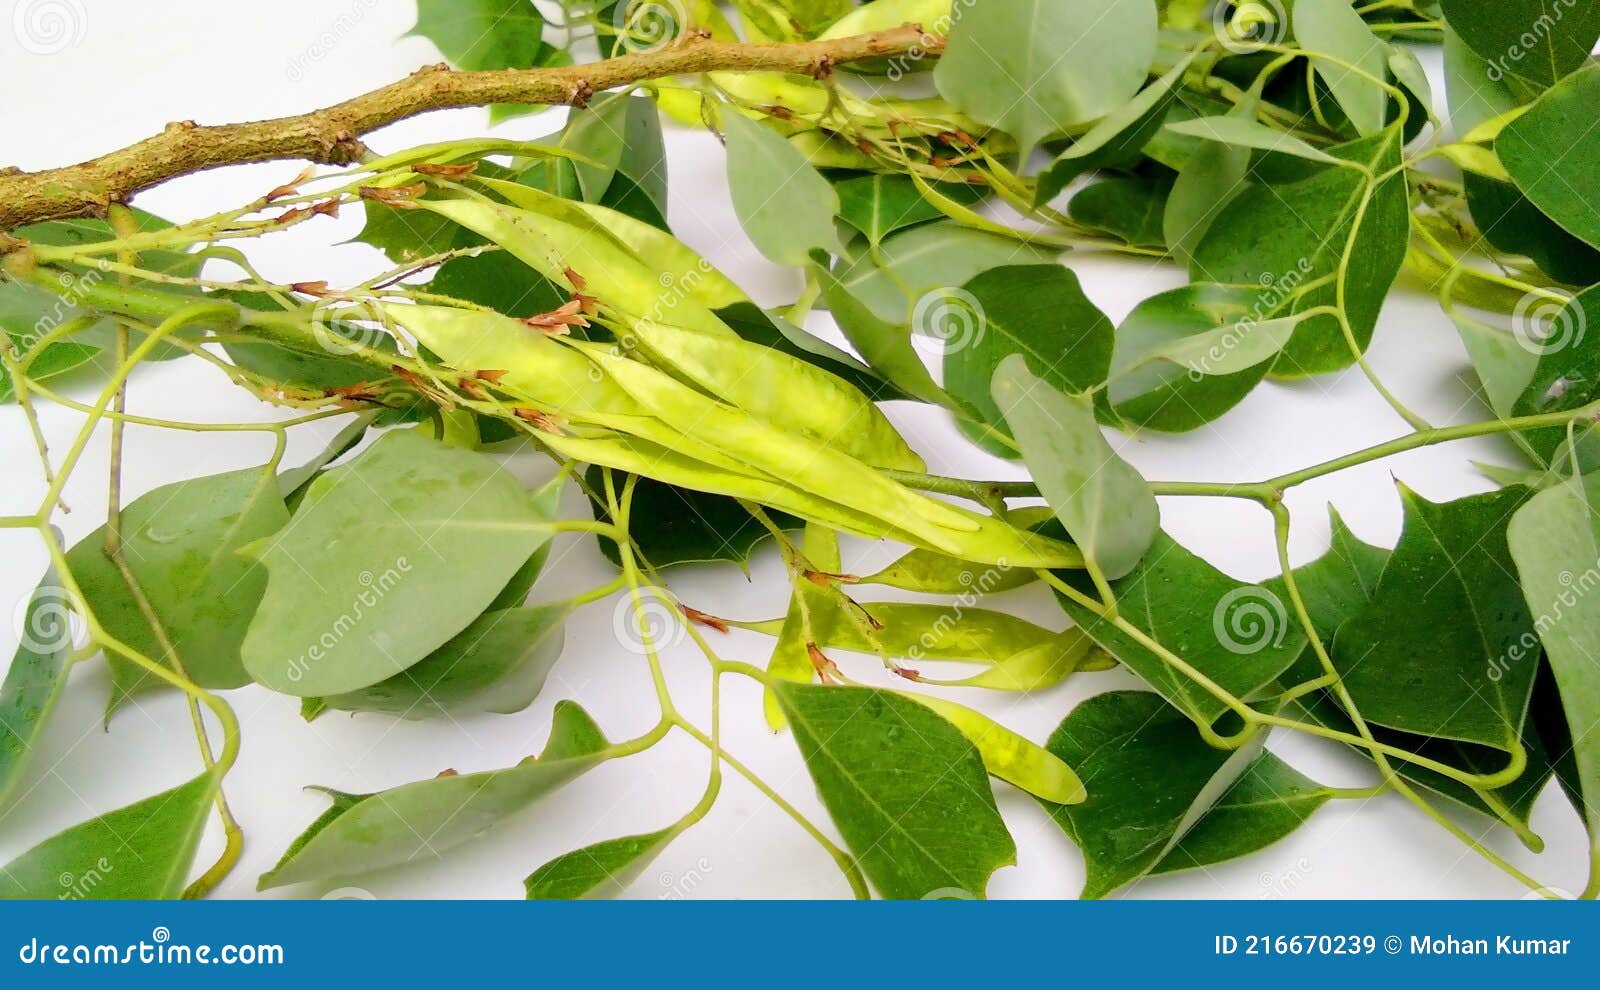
column 124, row 70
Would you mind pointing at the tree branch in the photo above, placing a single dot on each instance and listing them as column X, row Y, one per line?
column 332, row 135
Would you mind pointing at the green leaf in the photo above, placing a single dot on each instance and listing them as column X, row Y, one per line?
column 771, row 330
column 907, row 791
column 1474, row 90
column 1243, row 132
column 1009, row 756
column 1290, row 233
column 365, row 832
column 1208, row 182
column 1555, row 164
column 604, row 869
column 878, row 205
column 1107, row 508
column 1268, row 801
column 1513, row 224
column 1334, row 29
column 1150, row 779
column 1129, row 208
column 783, row 203
column 1338, row 584
column 140, row 852
column 181, row 542
column 1567, row 375
column 1185, row 357
column 486, row 34
column 929, row 258
column 1504, row 363
column 619, row 139
column 1034, row 68
column 499, row 280
column 1428, row 653
column 497, row 664
column 1239, row 635
column 1555, row 541
column 1115, row 139
column 1037, row 311
column 34, row 681
column 1536, row 41
column 390, row 556
column 686, row 526
column 884, row 344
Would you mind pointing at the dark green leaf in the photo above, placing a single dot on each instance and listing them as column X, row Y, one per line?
column 181, row 542
column 1107, row 508
column 1538, row 41
column 1567, row 375
column 1555, row 164
column 1270, row 800
column 390, row 556
column 1211, row 179
column 1037, row 311
column 604, row 869
column 1150, row 778
column 878, row 205
column 686, row 526
column 1241, row 636
column 499, row 280
column 1429, row 653
column 366, row 832
column 1130, row 208
column 885, row 346
column 487, row 34
column 140, row 852
column 908, row 792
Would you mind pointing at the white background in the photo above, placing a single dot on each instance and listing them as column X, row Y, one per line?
column 124, row 69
